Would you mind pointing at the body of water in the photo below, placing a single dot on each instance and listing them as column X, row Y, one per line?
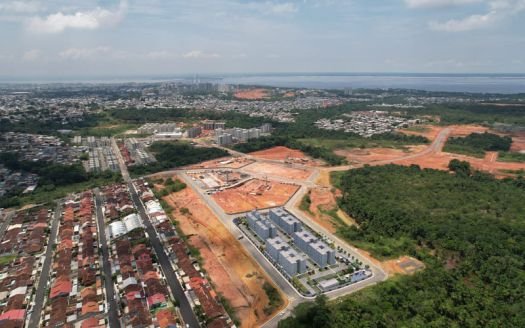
column 476, row 83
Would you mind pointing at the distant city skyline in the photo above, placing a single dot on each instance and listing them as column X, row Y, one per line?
column 62, row 39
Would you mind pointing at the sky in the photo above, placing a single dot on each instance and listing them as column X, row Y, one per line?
column 83, row 38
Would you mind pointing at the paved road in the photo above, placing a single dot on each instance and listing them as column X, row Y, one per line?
column 185, row 308
column 113, row 317
column 41, row 290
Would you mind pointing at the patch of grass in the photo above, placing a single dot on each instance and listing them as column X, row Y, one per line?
column 305, row 203
column 229, row 309
column 275, row 300
column 464, row 150
column 6, row 259
column 511, row 157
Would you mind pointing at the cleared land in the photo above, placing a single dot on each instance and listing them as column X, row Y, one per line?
column 370, row 155
column 253, row 94
column 280, row 153
column 324, row 211
column 254, row 194
column 279, row 170
column 224, row 162
column 233, row 272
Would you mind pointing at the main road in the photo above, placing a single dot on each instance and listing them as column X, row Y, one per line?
column 41, row 290
column 113, row 316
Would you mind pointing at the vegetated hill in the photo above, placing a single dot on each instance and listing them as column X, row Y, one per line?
column 468, row 229
column 476, row 144
column 171, row 154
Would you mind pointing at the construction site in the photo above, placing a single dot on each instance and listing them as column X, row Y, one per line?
column 216, row 179
column 283, row 171
column 236, row 275
column 287, row 155
column 225, row 162
column 254, row 194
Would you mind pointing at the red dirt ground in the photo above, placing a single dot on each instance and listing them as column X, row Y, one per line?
column 465, row 130
column 234, row 273
column 279, row 153
column 369, row 155
column 518, row 142
column 489, row 164
column 236, row 163
column 323, row 199
column 253, row 94
column 279, row 170
column 254, row 195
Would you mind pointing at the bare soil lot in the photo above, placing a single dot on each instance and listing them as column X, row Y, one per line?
column 279, row 170
column 281, row 153
column 254, row 194
column 234, row 273
column 370, row 155
column 253, row 94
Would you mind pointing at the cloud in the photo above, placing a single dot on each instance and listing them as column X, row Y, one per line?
column 283, row 8
column 83, row 53
column 20, row 7
column 88, row 20
column 194, row 54
column 498, row 10
column 438, row 3
column 31, row 55
column 469, row 23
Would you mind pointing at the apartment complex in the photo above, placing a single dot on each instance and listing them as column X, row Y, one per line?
column 316, row 249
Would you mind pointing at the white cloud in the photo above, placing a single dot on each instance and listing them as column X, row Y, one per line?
column 83, row 53
column 469, row 23
column 283, row 8
column 199, row 54
column 31, row 55
column 90, row 20
column 20, row 6
column 438, row 3
column 498, row 10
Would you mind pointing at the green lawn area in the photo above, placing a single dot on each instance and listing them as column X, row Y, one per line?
column 464, row 150
column 6, row 259
column 511, row 157
column 334, row 144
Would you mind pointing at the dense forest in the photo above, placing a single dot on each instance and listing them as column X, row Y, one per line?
column 476, row 144
column 469, row 230
column 174, row 154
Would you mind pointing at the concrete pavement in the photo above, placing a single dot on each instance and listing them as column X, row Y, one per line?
column 111, row 301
